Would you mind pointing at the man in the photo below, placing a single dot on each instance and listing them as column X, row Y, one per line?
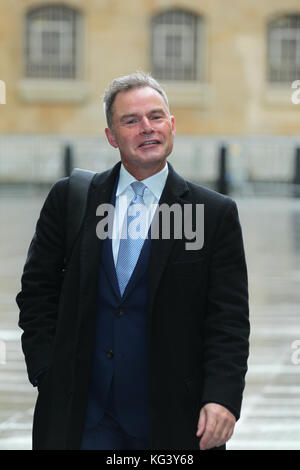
column 136, row 349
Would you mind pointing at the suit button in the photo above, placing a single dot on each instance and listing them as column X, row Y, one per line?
column 109, row 354
column 120, row 312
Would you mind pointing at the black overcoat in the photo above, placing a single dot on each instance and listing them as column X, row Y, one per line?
column 197, row 317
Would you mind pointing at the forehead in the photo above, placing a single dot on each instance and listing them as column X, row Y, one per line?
column 138, row 100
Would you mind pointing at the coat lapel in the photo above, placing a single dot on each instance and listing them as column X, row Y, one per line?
column 100, row 193
column 107, row 251
column 175, row 187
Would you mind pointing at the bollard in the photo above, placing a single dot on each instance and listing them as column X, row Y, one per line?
column 222, row 186
column 297, row 173
column 68, row 160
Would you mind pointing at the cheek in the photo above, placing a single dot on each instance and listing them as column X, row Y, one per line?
column 168, row 133
column 167, row 129
column 127, row 143
column 125, row 139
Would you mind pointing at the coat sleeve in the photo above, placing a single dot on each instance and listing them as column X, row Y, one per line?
column 226, row 335
column 41, row 282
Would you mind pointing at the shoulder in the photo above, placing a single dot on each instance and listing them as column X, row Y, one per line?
column 58, row 192
column 54, row 205
column 214, row 202
column 60, row 187
column 196, row 193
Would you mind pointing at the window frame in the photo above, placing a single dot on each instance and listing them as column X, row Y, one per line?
column 275, row 37
column 198, row 53
column 76, row 28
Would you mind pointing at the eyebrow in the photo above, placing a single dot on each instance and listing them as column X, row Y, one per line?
column 153, row 111
column 127, row 116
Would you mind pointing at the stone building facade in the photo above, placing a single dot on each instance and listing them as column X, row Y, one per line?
column 229, row 68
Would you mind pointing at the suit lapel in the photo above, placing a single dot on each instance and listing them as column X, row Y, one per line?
column 139, row 268
column 109, row 265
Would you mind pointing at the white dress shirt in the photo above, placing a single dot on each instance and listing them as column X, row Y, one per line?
column 125, row 194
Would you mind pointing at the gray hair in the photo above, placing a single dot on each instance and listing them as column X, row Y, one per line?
column 125, row 83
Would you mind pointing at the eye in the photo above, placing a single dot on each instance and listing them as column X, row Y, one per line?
column 156, row 116
column 132, row 121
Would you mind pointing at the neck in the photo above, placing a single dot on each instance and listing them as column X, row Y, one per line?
column 142, row 173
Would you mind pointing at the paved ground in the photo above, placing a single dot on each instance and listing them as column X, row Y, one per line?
column 271, row 410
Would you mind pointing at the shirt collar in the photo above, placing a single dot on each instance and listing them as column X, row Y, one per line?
column 154, row 183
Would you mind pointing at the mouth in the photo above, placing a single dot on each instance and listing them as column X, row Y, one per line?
column 149, row 143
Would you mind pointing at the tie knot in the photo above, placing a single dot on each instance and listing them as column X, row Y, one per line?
column 138, row 188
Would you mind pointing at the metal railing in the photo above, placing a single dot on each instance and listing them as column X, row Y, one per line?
column 244, row 166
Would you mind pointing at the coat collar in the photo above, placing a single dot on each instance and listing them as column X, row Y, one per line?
column 175, row 186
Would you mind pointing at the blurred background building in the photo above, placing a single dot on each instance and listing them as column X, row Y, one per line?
column 231, row 69
column 228, row 68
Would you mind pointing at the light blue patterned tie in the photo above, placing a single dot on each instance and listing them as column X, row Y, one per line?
column 130, row 248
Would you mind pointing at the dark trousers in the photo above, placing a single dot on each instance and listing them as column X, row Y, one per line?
column 109, row 435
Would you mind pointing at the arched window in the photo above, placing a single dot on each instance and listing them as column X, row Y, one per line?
column 284, row 49
column 177, row 46
column 52, row 38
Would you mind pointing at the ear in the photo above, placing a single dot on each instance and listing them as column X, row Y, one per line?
column 111, row 137
column 172, row 119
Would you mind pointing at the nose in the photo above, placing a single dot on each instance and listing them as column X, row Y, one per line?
column 146, row 126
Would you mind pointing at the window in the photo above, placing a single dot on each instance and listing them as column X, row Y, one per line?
column 52, row 42
column 284, row 49
column 176, row 46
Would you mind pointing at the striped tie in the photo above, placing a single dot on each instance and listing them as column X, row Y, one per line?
column 130, row 247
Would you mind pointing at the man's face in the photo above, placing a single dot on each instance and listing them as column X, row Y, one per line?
column 143, row 130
